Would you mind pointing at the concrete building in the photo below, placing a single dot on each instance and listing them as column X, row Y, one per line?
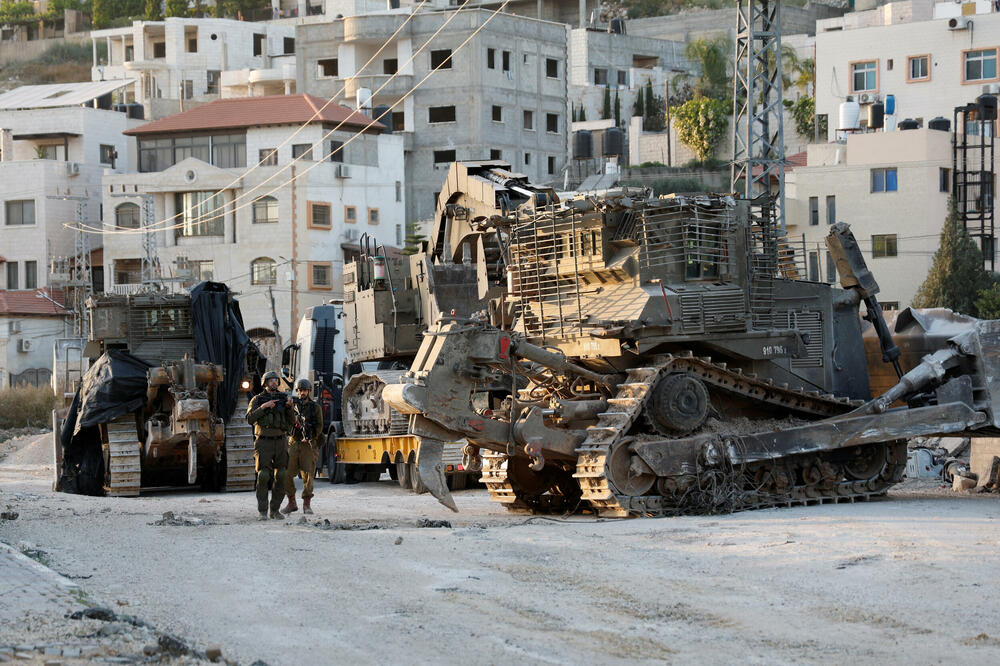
column 930, row 57
column 30, row 322
column 277, row 234
column 891, row 187
column 54, row 150
column 178, row 62
column 695, row 24
column 504, row 96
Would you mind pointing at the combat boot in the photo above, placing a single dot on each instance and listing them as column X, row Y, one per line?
column 262, row 516
column 275, row 515
column 292, row 507
column 305, row 505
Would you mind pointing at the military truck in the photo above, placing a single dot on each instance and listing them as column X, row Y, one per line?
column 157, row 416
column 659, row 358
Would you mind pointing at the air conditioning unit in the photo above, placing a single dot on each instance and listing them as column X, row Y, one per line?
column 343, row 171
column 867, row 98
column 14, row 326
column 24, row 345
column 351, row 234
column 73, row 168
column 959, row 23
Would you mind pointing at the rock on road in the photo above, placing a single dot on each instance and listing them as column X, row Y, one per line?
column 909, row 579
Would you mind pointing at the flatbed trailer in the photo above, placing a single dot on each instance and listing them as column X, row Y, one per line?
column 356, row 459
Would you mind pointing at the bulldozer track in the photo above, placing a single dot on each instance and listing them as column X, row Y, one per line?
column 124, row 465
column 240, row 469
column 627, row 405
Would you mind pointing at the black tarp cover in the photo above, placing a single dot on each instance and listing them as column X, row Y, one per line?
column 219, row 337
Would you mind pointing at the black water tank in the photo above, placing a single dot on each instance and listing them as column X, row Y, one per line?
column 987, row 107
column 384, row 119
column 617, row 26
column 583, row 145
column 120, row 108
column 939, row 123
column 908, row 124
column 135, row 111
column 614, row 141
column 876, row 116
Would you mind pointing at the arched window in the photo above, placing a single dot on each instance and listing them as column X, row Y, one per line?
column 263, row 271
column 265, row 210
column 127, row 216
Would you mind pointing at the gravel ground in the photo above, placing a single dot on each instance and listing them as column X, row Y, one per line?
column 908, row 579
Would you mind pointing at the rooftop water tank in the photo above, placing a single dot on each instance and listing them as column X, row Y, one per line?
column 850, row 112
column 987, row 107
column 909, row 124
column 583, row 145
column 940, row 123
column 385, row 119
column 614, row 141
column 876, row 116
column 890, row 105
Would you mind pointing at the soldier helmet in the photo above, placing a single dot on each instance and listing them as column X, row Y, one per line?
column 271, row 374
column 303, row 384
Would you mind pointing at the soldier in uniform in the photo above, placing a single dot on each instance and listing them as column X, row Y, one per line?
column 303, row 446
column 271, row 415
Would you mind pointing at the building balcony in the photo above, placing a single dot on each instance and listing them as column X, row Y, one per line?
column 395, row 89
column 373, row 28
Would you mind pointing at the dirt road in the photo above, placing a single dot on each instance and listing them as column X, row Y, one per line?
column 910, row 579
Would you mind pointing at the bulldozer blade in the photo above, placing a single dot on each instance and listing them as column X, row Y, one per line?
column 431, row 470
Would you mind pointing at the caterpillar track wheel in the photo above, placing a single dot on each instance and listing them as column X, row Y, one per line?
column 124, row 468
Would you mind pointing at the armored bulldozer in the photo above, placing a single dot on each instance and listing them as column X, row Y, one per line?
column 391, row 299
column 662, row 356
column 153, row 414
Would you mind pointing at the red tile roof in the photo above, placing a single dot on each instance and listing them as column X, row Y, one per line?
column 242, row 112
column 28, row 302
column 791, row 162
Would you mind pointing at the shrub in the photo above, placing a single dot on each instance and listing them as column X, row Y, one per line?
column 26, row 406
column 701, row 124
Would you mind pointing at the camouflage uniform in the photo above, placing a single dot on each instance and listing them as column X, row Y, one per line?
column 270, row 453
column 302, row 453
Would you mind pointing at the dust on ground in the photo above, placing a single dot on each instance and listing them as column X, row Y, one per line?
column 910, row 578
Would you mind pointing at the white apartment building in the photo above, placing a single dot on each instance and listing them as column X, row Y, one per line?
column 932, row 57
column 54, row 150
column 891, row 187
column 277, row 234
column 503, row 96
column 30, row 321
column 178, row 62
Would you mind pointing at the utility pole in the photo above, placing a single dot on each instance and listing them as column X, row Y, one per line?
column 666, row 97
column 78, row 283
column 150, row 276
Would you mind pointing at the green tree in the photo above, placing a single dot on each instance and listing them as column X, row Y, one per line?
column 177, row 7
column 639, row 108
column 713, row 57
column 701, row 124
column 583, row 113
column 648, row 101
column 102, row 13
column 414, row 239
column 618, row 109
column 957, row 275
column 606, row 108
column 804, row 113
column 988, row 302
column 153, row 10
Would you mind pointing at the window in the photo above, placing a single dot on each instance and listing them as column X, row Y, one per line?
column 188, row 88
column 390, row 66
column 398, row 121
column 441, row 58
column 889, row 305
column 600, row 76
column 831, row 269
column 552, row 68
column 320, row 275
column 980, row 65
column 506, row 61
column 265, row 210
column 328, row 67
column 864, row 76
column 444, row 156
column 888, row 65
column 551, row 122
column 160, row 50
column 918, row 68
column 19, row 212
column 289, row 44
column 192, row 45
column 497, row 113
column 831, row 209
column 491, row 58
column 814, row 266
column 552, row 165
column 30, row 274
column 303, row 150
column 944, row 180
column 496, row 154
column 884, row 245
column 267, row 156
column 127, row 271
column 336, row 151
column 202, row 269
column 373, row 216
column 12, row 275
column 350, row 214
column 259, row 40
column 200, row 213
column 128, row 216
column 813, row 211
column 51, row 151
column 319, row 215
column 884, row 180
column 399, row 235
column 622, row 77
column 399, row 190
column 441, row 114
column 129, row 53
column 263, row 271
column 212, row 81
column 527, row 159
column 529, row 120
column 108, row 155
column 229, row 151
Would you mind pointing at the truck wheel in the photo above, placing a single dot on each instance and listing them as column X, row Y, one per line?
column 457, row 480
column 403, row 474
column 416, row 485
column 335, row 472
